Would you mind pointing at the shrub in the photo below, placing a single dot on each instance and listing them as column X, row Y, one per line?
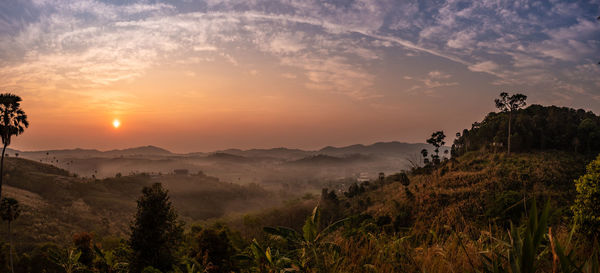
column 587, row 202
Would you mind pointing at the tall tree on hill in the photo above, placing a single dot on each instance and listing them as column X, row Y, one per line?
column 437, row 140
column 155, row 232
column 509, row 104
column 10, row 211
column 13, row 122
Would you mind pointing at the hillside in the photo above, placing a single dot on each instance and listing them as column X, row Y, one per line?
column 393, row 228
column 56, row 204
column 483, row 187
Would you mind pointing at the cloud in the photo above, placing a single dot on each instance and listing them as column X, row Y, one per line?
column 334, row 44
column 435, row 79
column 486, row 66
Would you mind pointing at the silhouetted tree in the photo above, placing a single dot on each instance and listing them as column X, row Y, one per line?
column 10, row 211
column 536, row 128
column 13, row 122
column 155, row 232
column 214, row 246
column 424, row 153
column 83, row 243
column 437, row 140
column 509, row 104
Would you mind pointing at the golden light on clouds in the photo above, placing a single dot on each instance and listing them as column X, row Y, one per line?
column 222, row 74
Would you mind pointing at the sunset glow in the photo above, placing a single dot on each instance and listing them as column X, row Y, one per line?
column 116, row 123
column 304, row 74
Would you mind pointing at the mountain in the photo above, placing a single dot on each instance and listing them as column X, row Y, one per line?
column 379, row 148
column 322, row 159
column 82, row 153
column 277, row 153
column 393, row 148
column 144, row 150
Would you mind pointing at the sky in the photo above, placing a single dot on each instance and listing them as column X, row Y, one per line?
column 206, row 75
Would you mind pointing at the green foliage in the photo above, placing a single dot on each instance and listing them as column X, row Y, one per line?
column 13, row 122
column 150, row 269
column 534, row 128
column 525, row 247
column 112, row 261
column 83, row 244
column 264, row 260
column 155, row 232
column 67, row 259
column 587, row 201
column 564, row 257
column 310, row 248
column 213, row 248
column 505, row 206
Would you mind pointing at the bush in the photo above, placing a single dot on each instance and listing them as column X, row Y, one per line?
column 587, row 202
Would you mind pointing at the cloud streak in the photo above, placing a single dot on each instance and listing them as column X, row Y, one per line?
column 91, row 44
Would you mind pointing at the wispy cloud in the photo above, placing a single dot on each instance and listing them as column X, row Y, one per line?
column 92, row 43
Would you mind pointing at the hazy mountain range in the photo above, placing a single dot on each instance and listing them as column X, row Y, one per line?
column 277, row 165
column 393, row 148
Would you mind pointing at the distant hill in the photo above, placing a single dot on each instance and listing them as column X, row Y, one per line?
column 81, row 153
column 321, row 159
column 243, row 166
column 379, row 148
column 278, row 153
column 55, row 204
column 144, row 150
column 394, row 148
column 220, row 156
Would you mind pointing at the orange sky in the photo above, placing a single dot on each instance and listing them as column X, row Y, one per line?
column 190, row 76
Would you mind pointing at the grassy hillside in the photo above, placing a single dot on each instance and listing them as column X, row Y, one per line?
column 56, row 205
column 444, row 220
column 484, row 187
column 449, row 218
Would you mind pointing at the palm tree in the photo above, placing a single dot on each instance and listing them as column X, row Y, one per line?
column 13, row 122
column 10, row 211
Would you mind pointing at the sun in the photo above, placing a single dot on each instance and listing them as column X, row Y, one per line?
column 116, row 123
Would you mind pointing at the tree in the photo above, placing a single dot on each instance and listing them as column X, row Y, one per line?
column 214, row 248
column 10, row 211
column 424, row 153
column 437, row 140
column 509, row 104
column 83, row 244
column 587, row 202
column 13, row 122
column 155, row 232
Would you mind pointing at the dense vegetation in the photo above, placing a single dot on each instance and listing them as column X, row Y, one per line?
column 482, row 210
column 534, row 128
column 458, row 217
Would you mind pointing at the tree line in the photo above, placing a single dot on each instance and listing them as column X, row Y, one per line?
column 533, row 128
